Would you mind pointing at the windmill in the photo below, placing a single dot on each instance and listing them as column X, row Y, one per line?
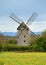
column 23, row 36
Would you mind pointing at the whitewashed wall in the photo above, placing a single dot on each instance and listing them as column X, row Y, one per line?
column 21, row 38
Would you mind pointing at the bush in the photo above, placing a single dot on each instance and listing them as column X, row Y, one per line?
column 11, row 47
column 39, row 43
column 1, row 47
column 11, row 41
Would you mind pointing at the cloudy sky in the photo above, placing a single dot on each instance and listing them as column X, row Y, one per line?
column 23, row 9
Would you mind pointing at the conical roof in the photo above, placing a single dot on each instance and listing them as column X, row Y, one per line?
column 22, row 26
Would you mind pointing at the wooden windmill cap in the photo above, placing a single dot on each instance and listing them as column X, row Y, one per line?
column 22, row 26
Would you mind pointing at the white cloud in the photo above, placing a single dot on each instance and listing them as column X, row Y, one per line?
column 38, row 26
column 7, row 25
column 8, row 28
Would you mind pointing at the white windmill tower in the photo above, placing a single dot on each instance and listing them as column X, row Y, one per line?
column 23, row 36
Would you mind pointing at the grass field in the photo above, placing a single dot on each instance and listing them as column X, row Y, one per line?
column 13, row 58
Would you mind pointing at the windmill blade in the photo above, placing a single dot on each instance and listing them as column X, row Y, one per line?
column 15, row 18
column 32, row 18
column 32, row 33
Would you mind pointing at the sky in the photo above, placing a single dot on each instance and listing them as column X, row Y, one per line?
column 23, row 9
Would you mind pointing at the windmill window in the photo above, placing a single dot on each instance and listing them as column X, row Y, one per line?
column 24, row 36
column 24, row 40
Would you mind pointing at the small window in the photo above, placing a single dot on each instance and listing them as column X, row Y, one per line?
column 24, row 36
column 24, row 40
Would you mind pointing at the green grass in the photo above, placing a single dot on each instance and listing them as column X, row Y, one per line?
column 13, row 58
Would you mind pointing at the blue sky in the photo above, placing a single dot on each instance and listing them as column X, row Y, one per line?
column 23, row 9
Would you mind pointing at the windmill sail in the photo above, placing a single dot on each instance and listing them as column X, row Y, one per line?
column 32, row 18
column 15, row 18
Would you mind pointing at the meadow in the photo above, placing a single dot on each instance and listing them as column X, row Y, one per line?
column 19, row 58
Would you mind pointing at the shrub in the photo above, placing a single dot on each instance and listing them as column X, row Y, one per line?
column 11, row 41
column 1, row 47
